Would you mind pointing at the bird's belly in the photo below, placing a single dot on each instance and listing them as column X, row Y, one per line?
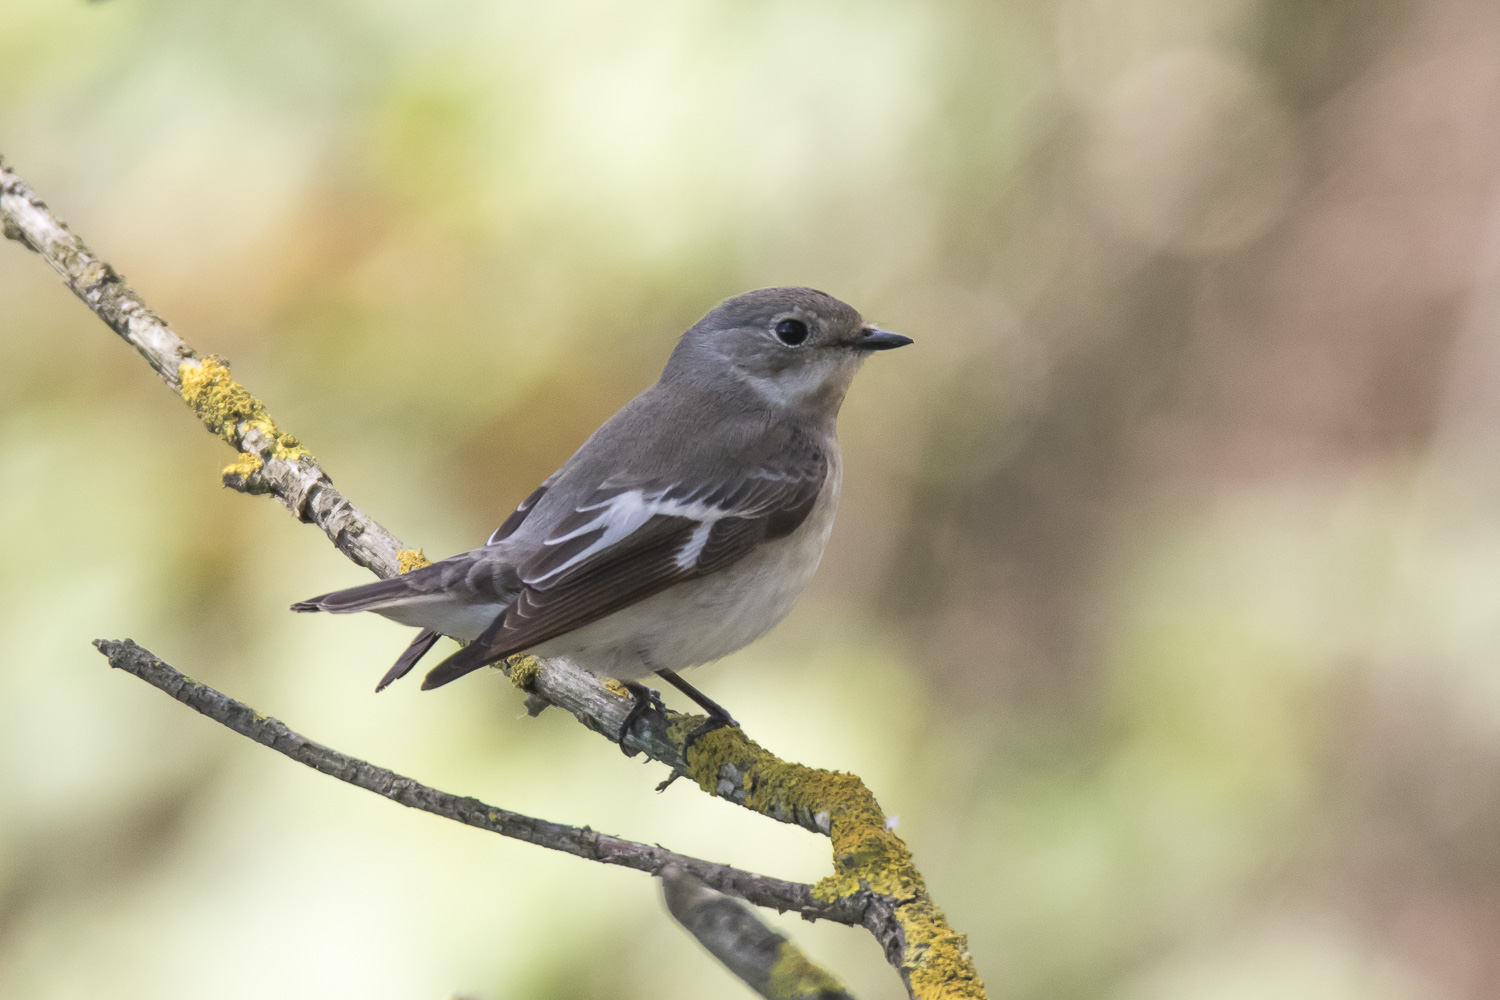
column 702, row 620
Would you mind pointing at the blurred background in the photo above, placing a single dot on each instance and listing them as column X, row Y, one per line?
column 1163, row 603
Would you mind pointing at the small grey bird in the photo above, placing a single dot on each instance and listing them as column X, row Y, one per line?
column 682, row 530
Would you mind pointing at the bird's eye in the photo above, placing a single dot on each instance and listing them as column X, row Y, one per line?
column 791, row 331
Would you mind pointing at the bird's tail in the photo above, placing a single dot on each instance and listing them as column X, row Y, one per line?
column 394, row 598
column 365, row 597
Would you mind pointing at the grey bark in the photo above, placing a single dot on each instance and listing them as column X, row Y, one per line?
column 731, row 932
column 580, row 842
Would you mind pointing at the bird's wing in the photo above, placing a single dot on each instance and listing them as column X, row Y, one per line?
column 628, row 541
column 518, row 515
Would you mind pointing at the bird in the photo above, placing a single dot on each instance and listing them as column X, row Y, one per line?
column 680, row 531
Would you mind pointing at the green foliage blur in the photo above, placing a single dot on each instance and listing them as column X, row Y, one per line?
column 1164, row 601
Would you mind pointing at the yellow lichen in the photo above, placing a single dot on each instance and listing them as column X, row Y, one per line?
column 793, row 977
column 410, row 559
column 523, row 671
column 939, row 967
column 678, row 727
column 867, row 854
column 615, row 687
column 229, row 410
column 247, row 466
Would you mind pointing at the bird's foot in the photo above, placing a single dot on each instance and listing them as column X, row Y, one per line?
column 716, row 720
column 646, row 700
column 718, row 717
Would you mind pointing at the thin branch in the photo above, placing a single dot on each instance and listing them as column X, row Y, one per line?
column 580, row 842
column 768, row 963
column 873, row 869
column 270, row 461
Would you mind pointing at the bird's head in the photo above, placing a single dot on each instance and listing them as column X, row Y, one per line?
column 794, row 347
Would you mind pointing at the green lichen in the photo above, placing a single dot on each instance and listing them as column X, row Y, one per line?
column 523, row 671
column 793, row 977
column 230, row 411
column 410, row 559
column 867, row 854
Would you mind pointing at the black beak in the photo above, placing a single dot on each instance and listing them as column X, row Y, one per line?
column 873, row 338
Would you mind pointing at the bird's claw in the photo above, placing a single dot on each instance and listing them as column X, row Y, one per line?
column 645, row 700
column 715, row 720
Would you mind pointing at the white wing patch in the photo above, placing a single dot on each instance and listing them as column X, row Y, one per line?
column 626, row 512
column 694, row 546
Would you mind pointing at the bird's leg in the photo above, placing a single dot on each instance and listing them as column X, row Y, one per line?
column 718, row 718
column 645, row 700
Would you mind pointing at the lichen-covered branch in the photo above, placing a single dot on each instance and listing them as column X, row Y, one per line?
column 580, row 842
column 873, row 870
column 270, row 461
column 869, row 861
column 768, row 963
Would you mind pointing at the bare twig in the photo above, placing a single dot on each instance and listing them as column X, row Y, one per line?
column 768, row 963
column 580, row 842
column 873, row 869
